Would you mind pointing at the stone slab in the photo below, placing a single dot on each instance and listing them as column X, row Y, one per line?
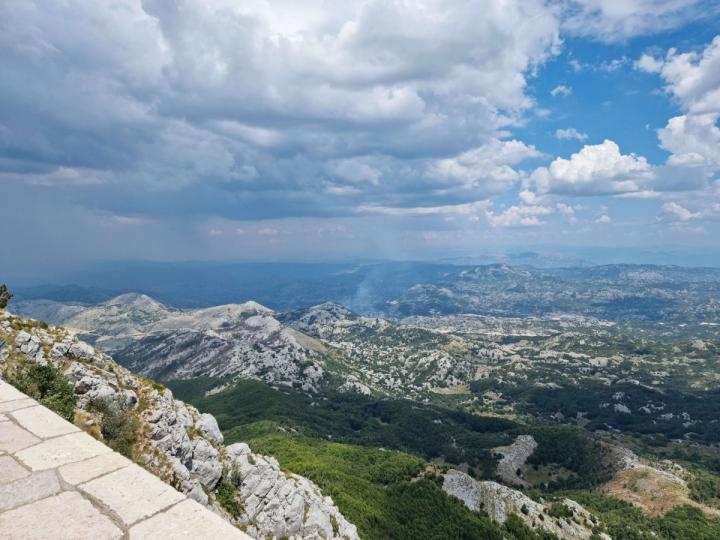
column 14, row 438
column 66, row 516
column 26, row 490
column 187, row 520
column 14, row 405
column 61, row 451
column 9, row 393
column 43, row 422
column 77, row 473
column 132, row 493
column 11, row 470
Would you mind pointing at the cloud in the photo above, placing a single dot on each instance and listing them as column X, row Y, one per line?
column 561, row 90
column 519, row 216
column 567, row 211
column 679, row 212
column 644, row 194
column 570, row 133
column 354, row 170
column 466, row 209
column 693, row 140
column 604, row 219
column 693, row 79
column 616, row 21
column 318, row 108
column 649, row 64
column 487, row 167
column 599, row 169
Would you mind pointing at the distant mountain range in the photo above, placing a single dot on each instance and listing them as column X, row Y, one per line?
column 390, row 289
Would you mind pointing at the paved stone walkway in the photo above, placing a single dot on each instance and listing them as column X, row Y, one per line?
column 57, row 482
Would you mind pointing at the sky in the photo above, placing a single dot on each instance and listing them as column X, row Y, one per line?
column 388, row 129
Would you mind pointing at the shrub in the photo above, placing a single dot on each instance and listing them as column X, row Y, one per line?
column 48, row 386
column 559, row 510
column 118, row 426
column 5, row 296
column 226, row 494
column 705, row 488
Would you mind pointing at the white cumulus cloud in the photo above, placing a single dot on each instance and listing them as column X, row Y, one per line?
column 693, row 78
column 599, row 169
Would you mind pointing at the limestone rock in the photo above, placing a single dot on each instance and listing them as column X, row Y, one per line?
column 500, row 501
column 208, row 426
column 29, row 345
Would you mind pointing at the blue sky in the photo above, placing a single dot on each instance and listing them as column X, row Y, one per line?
column 220, row 130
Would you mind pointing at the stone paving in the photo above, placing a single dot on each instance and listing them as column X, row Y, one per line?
column 57, row 482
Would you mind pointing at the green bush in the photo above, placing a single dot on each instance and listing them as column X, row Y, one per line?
column 5, row 296
column 226, row 494
column 559, row 510
column 48, row 386
column 119, row 426
column 705, row 488
column 517, row 530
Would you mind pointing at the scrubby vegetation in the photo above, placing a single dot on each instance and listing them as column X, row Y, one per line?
column 47, row 385
column 227, row 494
column 622, row 520
column 5, row 296
column 705, row 488
column 118, row 425
column 572, row 449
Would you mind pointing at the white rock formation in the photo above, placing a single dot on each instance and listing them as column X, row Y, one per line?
column 500, row 501
column 514, row 457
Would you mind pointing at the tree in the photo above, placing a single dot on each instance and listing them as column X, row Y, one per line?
column 5, row 296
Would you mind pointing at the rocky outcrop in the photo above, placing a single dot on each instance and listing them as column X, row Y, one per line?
column 330, row 321
column 500, row 501
column 353, row 384
column 280, row 502
column 513, row 459
column 235, row 340
column 258, row 347
column 178, row 443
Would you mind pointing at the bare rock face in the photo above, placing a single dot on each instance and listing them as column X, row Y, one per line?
column 258, row 347
column 178, row 443
column 209, row 428
column 243, row 340
column 330, row 321
column 29, row 345
column 500, row 501
column 353, row 384
column 281, row 502
column 514, row 457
